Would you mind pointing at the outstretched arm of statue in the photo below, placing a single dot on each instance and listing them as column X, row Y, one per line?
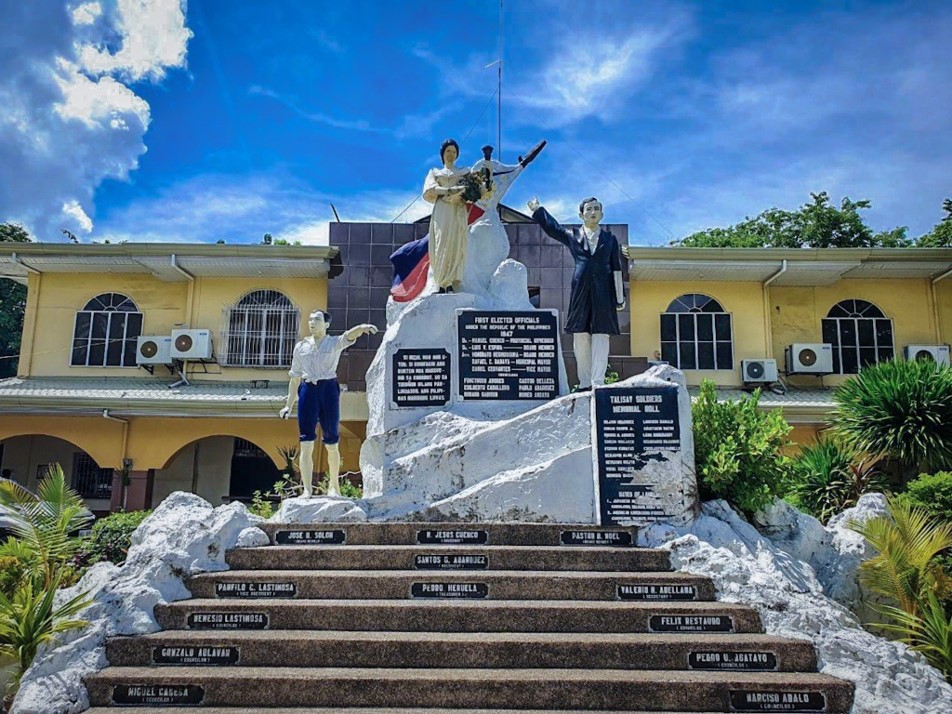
column 550, row 226
column 354, row 332
column 293, row 385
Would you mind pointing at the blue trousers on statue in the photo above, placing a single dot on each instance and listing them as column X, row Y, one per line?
column 319, row 402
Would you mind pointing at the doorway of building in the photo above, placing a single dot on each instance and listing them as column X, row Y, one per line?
column 251, row 470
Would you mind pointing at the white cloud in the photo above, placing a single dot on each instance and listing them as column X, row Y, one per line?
column 86, row 14
column 153, row 38
column 69, row 120
column 241, row 209
column 318, row 117
column 76, row 212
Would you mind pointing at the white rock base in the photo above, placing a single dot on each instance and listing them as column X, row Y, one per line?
column 750, row 569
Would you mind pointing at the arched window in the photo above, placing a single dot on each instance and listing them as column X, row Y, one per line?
column 105, row 332
column 260, row 330
column 696, row 334
column 860, row 334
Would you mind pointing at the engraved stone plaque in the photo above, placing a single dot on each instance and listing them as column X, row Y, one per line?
column 157, row 694
column 452, row 537
column 255, row 589
column 600, row 538
column 435, row 561
column 310, row 537
column 197, row 655
column 656, row 591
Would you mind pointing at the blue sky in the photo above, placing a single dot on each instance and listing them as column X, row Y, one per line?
column 224, row 119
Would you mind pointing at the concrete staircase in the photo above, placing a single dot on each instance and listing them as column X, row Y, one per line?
column 495, row 618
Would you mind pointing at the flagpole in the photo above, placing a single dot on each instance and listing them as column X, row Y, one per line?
column 499, row 89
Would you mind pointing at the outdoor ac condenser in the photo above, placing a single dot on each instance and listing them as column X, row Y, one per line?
column 154, row 349
column 809, row 358
column 192, row 344
column 934, row 353
column 758, row 371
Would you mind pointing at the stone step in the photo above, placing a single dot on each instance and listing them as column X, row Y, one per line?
column 307, row 648
column 445, row 615
column 352, row 710
column 495, row 585
column 582, row 689
column 417, row 557
column 519, row 534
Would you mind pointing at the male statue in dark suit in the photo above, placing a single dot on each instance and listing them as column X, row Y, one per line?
column 597, row 291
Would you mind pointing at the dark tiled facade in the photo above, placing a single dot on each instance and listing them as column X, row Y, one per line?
column 359, row 290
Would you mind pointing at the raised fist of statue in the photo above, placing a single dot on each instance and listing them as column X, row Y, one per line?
column 533, row 204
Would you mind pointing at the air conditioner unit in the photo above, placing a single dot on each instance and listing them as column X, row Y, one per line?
column 154, row 349
column 758, row 371
column 809, row 358
column 933, row 353
column 192, row 344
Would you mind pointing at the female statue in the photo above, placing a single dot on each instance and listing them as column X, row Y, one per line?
column 448, row 226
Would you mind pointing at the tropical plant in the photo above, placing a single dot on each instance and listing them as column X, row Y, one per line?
column 261, row 505
column 46, row 521
column 347, row 488
column 900, row 409
column 30, row 617
column 929, row 633
column 42, row 547
column 739, row 450
column 111, row 538
column 829, row 477
column 905, row 568
column 933, row 493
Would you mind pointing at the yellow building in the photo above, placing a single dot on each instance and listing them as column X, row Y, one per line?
column 128, row 436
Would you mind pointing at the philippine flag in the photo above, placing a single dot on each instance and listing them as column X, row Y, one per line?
column 411, row 263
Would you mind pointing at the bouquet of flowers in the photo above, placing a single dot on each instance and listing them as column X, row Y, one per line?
column 476, row 185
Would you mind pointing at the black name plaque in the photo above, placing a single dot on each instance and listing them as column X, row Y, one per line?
column 440, row 537
column 199, row 655
column 722, row 660
column 161, row 694
column 255, row 589
column 310, row 537
column 603, row 538
column 473, row 591
column 508, row 355
column 421, row 378
column 656, row 591
column 691, row 623
column 743, row 700
column 227, row 621
column 435, row 561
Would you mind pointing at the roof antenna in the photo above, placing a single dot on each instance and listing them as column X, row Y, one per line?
column 336, row 217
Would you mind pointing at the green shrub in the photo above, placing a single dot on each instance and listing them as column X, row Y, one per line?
column 933, row 493
column 738, row 450
column 901, row 409
column 829, row 477
column 261, row 505
column 111, row 537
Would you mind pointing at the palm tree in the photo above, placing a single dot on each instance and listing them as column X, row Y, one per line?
column 905, row 568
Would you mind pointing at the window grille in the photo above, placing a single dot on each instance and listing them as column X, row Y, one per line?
column 860, row 333
column 260, row 331
column 696, row 333
column 105, row 332
column 89, row 480
column 245, row 449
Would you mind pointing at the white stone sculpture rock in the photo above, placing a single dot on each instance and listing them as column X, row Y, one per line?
column 450, row 466
column 749, row 568
column 182, row 537
column 319, row 509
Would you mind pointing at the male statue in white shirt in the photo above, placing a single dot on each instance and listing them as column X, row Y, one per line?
column 314, row 382
column 597, row 291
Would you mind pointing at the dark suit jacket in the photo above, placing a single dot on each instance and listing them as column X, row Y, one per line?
column 592, row 306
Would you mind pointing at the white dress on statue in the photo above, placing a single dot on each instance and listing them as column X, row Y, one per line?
column 448, row 228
